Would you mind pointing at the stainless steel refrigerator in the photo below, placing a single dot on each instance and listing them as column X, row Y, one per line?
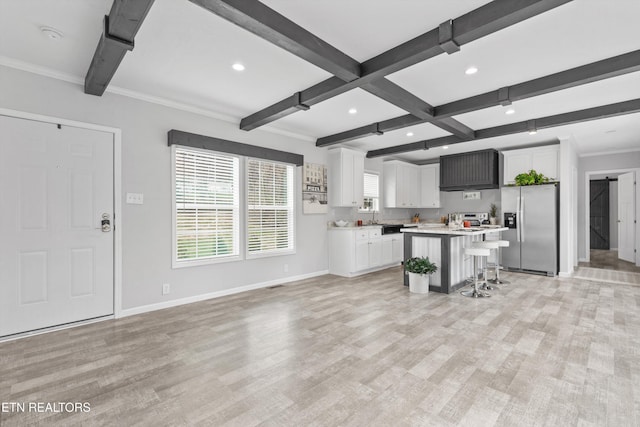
column 531, row 215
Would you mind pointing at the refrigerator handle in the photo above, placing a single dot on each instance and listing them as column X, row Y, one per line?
column 521, row 219
column 518, row 219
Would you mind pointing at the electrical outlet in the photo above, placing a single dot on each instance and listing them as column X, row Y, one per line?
column 166, row 288
column 286, row 268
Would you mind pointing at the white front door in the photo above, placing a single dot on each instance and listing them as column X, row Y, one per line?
column 56, row 262
column 626, row 217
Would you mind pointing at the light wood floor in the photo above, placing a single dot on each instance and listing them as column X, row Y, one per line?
column 602, row 258
column 351, row 352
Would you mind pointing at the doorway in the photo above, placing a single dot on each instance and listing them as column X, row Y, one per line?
column 58, row 207
column 605, row 232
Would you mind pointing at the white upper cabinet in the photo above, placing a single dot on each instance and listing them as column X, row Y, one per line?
column 345, row 177
column 543, row 160
column 430, row 186
column 401, row 183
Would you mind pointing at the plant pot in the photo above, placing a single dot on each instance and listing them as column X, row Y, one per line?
column 493, row 220
column 418, row 283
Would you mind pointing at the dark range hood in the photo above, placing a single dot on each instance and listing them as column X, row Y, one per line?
column 477, row 170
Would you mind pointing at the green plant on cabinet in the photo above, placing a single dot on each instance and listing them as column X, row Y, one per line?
column 531, row 178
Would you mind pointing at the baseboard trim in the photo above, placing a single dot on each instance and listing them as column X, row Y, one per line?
column 197, row 298
column 55, row 328
column 565, row 274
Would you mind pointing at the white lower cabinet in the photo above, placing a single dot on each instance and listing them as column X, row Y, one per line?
column 392, row 249
column 358, row 251
column 397, row 248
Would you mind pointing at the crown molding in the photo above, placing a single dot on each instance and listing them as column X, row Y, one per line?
column 141, row 96
column 607, row 153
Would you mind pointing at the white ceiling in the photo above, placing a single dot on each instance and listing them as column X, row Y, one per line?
column 184, row 54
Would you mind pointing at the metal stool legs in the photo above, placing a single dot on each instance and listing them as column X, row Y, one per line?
column 476, row 292
column 490, row 245
column 497, row 280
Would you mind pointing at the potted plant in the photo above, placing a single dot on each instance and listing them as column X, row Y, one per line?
column 419, row 269
column 493, row 214
column 531, row 178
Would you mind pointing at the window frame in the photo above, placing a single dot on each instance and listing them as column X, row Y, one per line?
column 361, row 209
column 177, row 263
column 276, row 252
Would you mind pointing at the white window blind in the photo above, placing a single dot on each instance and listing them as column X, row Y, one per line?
column 270, row 216
column 370, row 185
column 206, row 205
column 371, row 192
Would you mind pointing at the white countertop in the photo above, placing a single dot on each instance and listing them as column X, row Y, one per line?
column 471, row 231
column 355, row 227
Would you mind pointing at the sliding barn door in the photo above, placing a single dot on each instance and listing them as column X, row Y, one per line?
column 599, row 214
column 56, row 259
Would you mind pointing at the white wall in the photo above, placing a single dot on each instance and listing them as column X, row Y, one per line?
column 146, row 168
column 604, row 163
column 568, row 206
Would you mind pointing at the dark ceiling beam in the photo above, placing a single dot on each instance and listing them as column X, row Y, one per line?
column 268, row 24
column 589, row 73
column 384, row 126
column 579, row 116
column 404, row 99
column 478, row 23
column 120, row 28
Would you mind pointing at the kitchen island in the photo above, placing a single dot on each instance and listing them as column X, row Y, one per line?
column 445, row 247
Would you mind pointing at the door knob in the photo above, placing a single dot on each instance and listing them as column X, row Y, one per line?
column 106, row 223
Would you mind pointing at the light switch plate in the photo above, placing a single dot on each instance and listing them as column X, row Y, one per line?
column 135, row 198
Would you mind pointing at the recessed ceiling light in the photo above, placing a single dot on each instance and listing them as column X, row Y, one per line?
column 352, row 111
column 610, row 131
column 533, row 132
column 471, row 70
column 409, row 133
column 51, row 33
column 445, row 147
column 238, row 66
column 510, row 111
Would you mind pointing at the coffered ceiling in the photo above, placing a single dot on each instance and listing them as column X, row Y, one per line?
column 184, row 54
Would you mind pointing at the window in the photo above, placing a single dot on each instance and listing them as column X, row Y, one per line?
column 371, row 193
column 206, row 214
column 270, row 216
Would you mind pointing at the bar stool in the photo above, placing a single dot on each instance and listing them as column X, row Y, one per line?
column 497, row 281
column 477, row 254
column 491, row 245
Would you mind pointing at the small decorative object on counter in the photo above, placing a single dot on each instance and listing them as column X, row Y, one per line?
column 493, row 214
column 359, row 223
column 419, row 269
column 340, row 223
column 416, row 218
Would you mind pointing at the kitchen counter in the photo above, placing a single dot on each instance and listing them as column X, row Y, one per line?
column 470, row 231
column 445, row 247
column 356, row 227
